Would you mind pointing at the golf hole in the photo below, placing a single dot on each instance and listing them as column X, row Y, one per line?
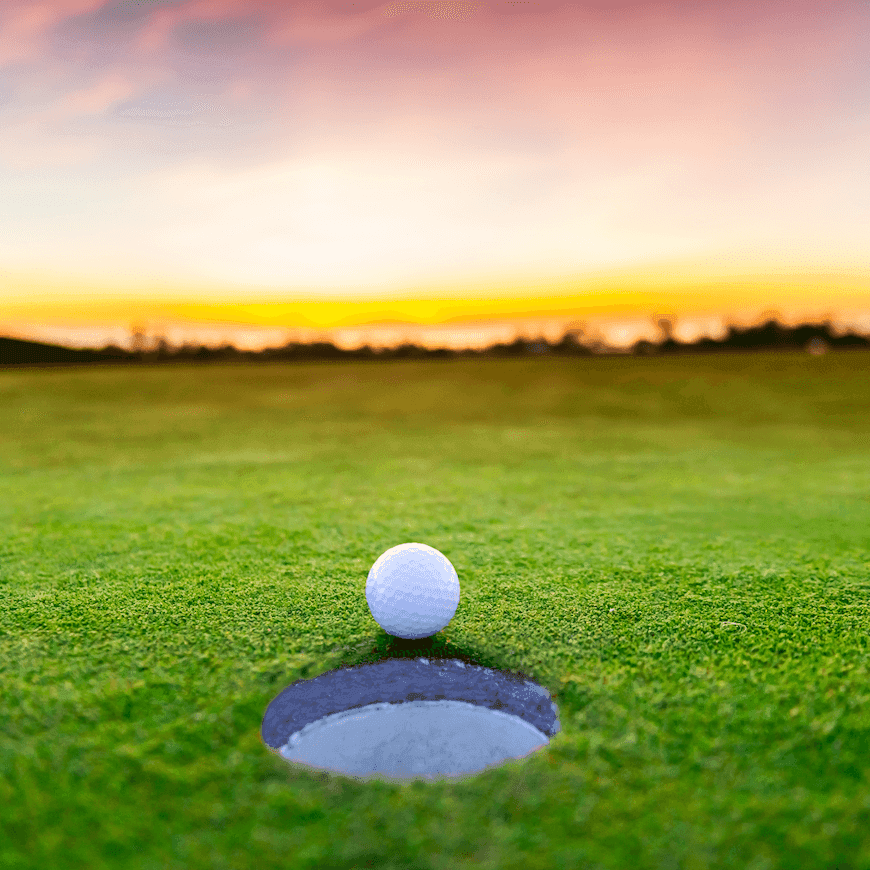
column 402, row 719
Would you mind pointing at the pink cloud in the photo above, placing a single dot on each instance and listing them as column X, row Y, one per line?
column 97, row 97
column 158, row 29
column 316, row 24
column 445, row 10
column 24, row 23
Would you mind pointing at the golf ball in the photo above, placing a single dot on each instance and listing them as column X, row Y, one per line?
column 412, row 591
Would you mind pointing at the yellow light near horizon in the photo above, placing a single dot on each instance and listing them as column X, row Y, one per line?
column 672, row 289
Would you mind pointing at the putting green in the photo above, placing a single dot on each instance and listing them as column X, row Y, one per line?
column 676, row 549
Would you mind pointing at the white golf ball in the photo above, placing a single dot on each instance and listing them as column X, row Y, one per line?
column 412, row 591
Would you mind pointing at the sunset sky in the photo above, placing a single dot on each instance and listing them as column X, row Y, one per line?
column 265, row 165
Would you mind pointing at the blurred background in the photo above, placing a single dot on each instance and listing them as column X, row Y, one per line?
column 252, row 173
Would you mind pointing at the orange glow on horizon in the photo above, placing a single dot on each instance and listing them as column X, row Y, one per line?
column 675, row 290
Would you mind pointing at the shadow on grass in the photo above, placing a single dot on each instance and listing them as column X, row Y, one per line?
column 438, row 647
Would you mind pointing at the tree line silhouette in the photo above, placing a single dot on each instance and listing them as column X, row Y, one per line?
column 816, row 338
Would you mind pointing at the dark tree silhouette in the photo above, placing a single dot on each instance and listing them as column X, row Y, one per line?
column 815, row 338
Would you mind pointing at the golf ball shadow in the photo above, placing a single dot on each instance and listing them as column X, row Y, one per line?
column 401, row 718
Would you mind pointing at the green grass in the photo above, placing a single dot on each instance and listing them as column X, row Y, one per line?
column 678, row 548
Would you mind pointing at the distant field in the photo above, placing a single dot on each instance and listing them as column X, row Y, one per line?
column 678, row 548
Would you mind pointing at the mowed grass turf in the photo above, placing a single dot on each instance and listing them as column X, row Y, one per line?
column 678, row 548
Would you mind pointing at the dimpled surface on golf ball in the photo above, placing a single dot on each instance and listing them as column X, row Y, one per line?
column 412, row 591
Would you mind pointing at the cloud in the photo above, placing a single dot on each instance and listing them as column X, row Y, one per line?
column 96, row 98
column 43, row 138
column 168, row 111
column 316, row 24
column 445, row 10
column 226, row 35
column 25, row 23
